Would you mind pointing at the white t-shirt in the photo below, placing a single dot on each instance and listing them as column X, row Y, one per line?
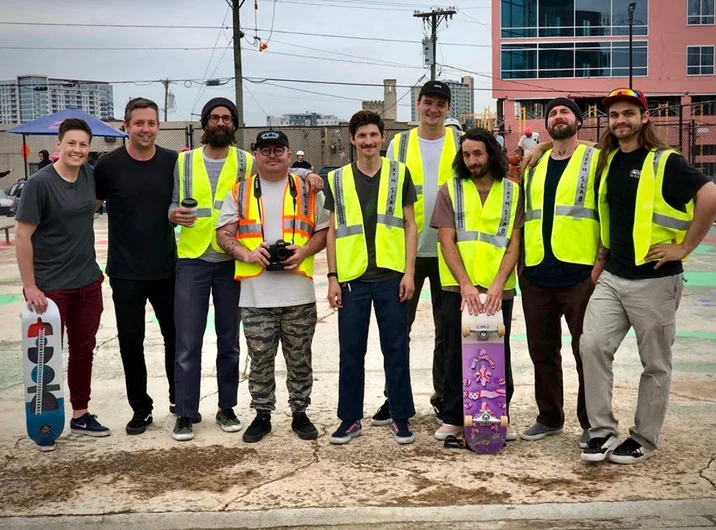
column 527, row 143
column 430, row 151
column 274, row 288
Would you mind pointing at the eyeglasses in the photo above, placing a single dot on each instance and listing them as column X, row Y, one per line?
column 623, row 92
column 277, row 151
column 215, row 118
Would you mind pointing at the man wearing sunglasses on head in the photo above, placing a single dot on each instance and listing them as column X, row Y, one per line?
column 273, row 226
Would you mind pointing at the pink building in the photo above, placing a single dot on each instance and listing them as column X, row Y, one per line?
column 580, row 48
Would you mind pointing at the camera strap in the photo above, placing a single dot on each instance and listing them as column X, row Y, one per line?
column 294, row 194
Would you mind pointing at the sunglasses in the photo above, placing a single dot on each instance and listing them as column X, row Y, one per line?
column 623, row 92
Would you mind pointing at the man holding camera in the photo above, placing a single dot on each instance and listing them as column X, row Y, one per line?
column 273, row 226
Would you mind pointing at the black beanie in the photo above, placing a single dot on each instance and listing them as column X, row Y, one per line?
column 219, row 102
column 570, row 104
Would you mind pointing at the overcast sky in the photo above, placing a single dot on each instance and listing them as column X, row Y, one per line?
column 311, row 57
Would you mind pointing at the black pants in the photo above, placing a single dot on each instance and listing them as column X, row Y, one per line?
column 130, row 298
column 453, row 412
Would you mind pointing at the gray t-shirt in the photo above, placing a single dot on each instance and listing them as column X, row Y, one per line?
column 431, row 151
column 275, row 288
column 63, row 243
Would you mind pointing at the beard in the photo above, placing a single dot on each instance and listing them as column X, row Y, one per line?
column 219, row 136
column 477, row 172
column 630, row 132
column 561, row 131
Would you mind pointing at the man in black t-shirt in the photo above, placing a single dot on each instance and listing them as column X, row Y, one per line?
column 137, row 180
column 649, row 224
column 301, row 161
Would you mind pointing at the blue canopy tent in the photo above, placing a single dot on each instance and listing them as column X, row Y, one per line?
column 50, row 125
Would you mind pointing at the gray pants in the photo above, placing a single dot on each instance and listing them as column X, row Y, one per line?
column 649, row 306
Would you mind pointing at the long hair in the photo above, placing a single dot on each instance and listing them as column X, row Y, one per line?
column 608, row 143
column 496, row 159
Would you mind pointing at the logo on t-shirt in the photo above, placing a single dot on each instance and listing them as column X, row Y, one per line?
column 635, row 173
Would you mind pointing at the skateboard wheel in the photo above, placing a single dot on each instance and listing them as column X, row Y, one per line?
column 465, row 330
column 500, row 330
column 467, row 421
column 504, row 421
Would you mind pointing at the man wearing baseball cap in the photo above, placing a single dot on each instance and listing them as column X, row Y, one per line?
column 654, row 210
column 528, row 141
column 561, row 238
column 273, row 226
column 301, row 161
column 428, row 151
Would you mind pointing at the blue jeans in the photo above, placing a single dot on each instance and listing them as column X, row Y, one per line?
column 353, row 323
column 195, row 280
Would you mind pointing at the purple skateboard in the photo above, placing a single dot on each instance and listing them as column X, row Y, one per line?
column 483, row 384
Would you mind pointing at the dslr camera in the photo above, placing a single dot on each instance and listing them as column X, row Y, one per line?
column 279, row 253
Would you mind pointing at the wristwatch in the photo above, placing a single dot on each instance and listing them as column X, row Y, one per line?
column 332, row 275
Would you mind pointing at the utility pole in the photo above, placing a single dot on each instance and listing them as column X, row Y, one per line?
column 436, row 16
column 238, row 73
column 165, row 82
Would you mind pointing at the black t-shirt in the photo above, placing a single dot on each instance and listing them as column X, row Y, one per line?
column 367, row 190
column 304, row 164
column 551, row 272
column 63, row 243
column 681, row 183
column 142, row 245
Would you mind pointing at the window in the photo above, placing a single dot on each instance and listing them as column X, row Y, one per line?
column 593, row 17
column 700, row 12
column 556, row 60
column 556, row 18
column 519, row 61
column 620, row 58
column 699, row 60
column 593, row 59
column 620, row 18
column 519, row 18
column 703, row 105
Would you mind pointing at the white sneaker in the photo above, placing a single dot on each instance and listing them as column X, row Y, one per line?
column 511, row 434
column 599, row 448
column 446, row 430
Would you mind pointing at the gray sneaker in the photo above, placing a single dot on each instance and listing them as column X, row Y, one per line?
column 183, row 430
column 584, row 439
column 228, row 420
column 539, row 431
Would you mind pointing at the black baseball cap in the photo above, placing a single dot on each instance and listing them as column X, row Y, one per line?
column 271, row 137
column 436, row 87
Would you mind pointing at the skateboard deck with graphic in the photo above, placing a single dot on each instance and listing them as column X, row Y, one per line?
column 483, row 384
column 42, row 363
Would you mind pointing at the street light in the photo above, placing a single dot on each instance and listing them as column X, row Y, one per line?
column 632, row 7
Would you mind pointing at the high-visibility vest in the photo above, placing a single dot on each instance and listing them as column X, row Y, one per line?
column 298, row 221
column 575, row 231
column 655, row 221
column 406, row 149
column 482, row 231
column 194, row 183
column 351, row 246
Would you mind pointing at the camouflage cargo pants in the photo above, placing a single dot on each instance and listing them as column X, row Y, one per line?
column 294, row 326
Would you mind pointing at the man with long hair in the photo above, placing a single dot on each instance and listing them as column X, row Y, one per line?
column 479, row 199
column 654, row 210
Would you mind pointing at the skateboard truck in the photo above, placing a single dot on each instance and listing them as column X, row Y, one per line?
column 485, row 418
column 483, row 333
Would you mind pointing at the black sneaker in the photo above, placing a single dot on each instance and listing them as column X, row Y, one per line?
column 438, row 409
column 195, row 419
column 183, row 430
column 382, row 417
column 598, row 448
column 88, row 424
column 228, row 421
column 140, row 420
column 346, row 431
column 401, row 431
column 259, row 428
column 630, row 452
column 302, row 426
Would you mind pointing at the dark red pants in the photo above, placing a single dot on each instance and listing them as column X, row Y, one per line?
column 80, row 312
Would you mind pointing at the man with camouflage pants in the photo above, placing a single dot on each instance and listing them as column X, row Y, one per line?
column 259, row 216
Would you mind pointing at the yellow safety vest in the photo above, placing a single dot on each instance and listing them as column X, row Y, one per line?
column 194, row 183
column 406, row 149
column 482, row 232
column 655, row 221
column 298, row 221
column 575, row 232
column 351, row 247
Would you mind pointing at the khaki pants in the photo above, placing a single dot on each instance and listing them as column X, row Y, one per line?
column 649, row 306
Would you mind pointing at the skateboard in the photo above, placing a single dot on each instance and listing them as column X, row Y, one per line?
column 42, row 363
column 484, row 385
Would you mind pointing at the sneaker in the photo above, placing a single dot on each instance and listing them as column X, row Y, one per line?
column 88, row 424
column 446, row 430
column 140, row 420
column 228, row 420
column 630, row 452
column 302, row 426
column 47, row 447
column 259, row 428
column 438, row 408
column 539, row 431
column 183, row 430
column 401, row 431
column 598, row 448
column 511, row 435
column 346, row 431
column 195, row 419
column 584, row 439
column 382, row 417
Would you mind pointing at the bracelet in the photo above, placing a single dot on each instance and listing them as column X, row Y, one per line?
column 332, row 275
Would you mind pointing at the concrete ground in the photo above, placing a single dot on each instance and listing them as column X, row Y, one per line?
column 218, row 481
